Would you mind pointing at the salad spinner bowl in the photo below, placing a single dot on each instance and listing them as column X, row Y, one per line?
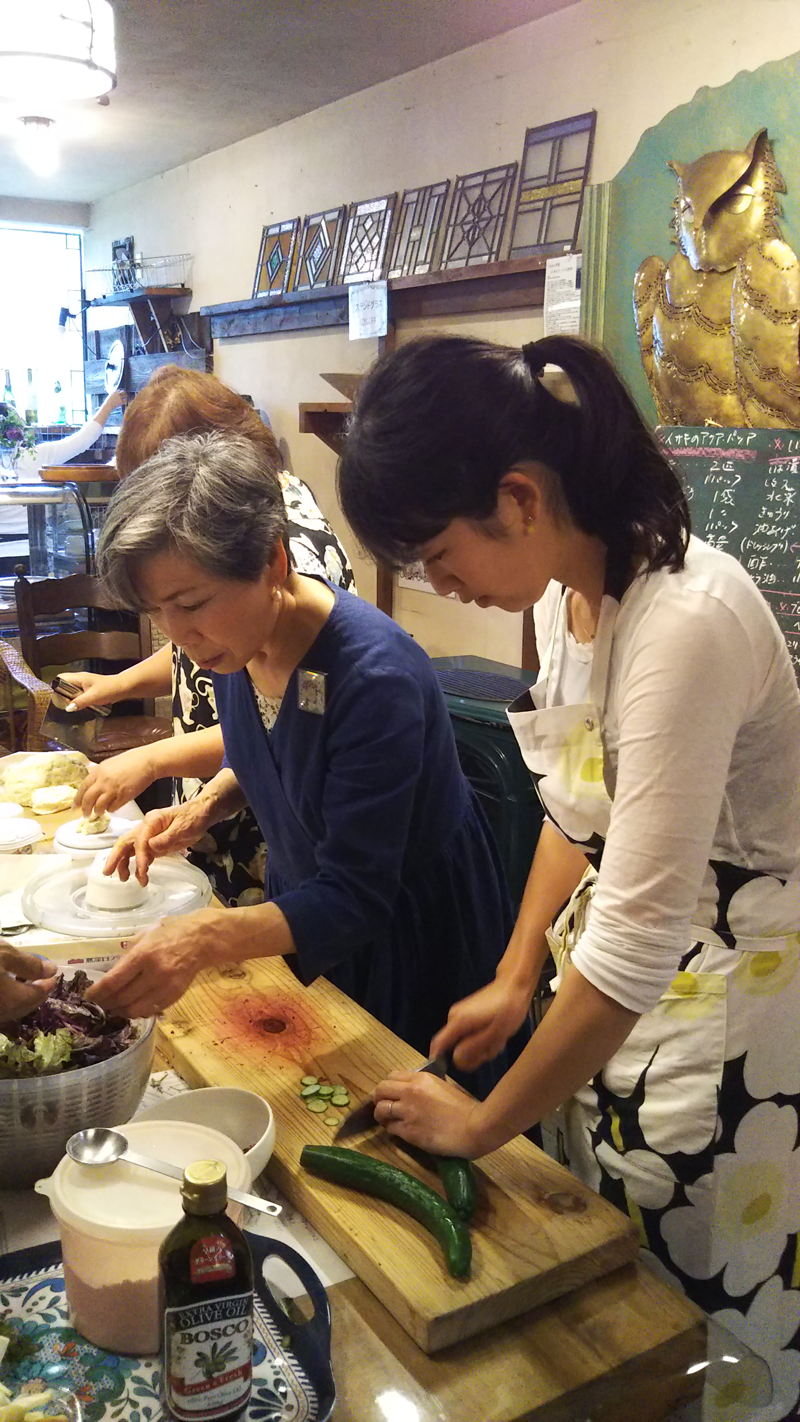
column 38, row 1114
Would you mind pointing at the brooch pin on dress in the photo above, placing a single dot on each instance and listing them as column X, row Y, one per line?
column 311, row 692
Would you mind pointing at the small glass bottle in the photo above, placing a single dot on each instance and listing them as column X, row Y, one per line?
column 206, row 1291
column 32, row 404
column 8, row 393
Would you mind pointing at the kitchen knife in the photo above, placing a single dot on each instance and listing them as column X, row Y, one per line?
column 363, row 1118
column 76, row 729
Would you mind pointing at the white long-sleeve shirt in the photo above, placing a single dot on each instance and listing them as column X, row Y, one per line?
column 702, row 735
column 14, row 518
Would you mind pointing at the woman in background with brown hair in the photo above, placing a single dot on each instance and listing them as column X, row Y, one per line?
column 178, row 401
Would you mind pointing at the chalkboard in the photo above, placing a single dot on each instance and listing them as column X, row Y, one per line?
column 744, row 492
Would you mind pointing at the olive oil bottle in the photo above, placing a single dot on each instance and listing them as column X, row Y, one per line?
column 206, row 1291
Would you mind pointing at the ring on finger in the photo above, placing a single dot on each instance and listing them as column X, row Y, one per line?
column 391, row 1111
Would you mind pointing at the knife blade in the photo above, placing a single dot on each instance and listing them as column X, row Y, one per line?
column 78, row 730
column 363, row 1117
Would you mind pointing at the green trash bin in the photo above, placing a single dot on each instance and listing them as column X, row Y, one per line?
column 477, row 693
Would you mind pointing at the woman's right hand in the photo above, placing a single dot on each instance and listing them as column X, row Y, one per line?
column 114, row 782
column 479, row 1026
column 160, row 832
column 96, row 690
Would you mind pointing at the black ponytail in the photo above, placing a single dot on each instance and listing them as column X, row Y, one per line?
column 439, row 422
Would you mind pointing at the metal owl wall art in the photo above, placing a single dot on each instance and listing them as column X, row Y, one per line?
column 719, row 325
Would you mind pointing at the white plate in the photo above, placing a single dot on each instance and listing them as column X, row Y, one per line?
column 56, row 899
column 16, row 834
column 67, row 837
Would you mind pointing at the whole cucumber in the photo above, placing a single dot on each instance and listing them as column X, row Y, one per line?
column 460, row 1185
column 387, row 1182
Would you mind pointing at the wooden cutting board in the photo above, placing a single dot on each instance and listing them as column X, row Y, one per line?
column 538, row 1232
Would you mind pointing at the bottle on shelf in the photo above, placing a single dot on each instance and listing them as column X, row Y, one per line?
column 206, row 1293
column 31, row 403
column 8, row 393
column 61, row 417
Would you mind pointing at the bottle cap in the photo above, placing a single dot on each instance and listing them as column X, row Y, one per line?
column 205, row 1187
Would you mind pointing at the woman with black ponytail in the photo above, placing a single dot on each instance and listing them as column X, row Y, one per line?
column 664, row 739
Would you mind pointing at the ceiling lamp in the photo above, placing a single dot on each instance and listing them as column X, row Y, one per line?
column 61, row 49
column 38, row 145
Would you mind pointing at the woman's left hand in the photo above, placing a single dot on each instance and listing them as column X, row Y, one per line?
column 161, row 963
column 430, row 1113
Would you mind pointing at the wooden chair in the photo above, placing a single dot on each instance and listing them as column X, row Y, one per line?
column 49, row 651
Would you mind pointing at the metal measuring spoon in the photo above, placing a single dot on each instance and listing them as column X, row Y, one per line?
column 101, row 1146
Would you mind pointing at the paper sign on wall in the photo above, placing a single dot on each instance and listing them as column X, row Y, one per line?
column 367, row 309
column 562, row 295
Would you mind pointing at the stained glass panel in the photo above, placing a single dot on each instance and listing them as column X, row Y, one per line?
column 554, row 169
column 275, row 257
column 364, row 249
column 477, row 217
column 416, row 229
column 318, row 249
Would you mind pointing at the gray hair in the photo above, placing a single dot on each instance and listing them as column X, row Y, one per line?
column 213, row 498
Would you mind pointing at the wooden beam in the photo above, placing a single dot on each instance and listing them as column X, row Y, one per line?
column 496, row 286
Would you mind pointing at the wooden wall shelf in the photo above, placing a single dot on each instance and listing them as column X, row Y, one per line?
column 497, row 286
column 151, row 309
column 139, row 293
column 326, row 420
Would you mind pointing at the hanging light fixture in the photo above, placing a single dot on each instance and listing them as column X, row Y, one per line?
column 61, row 49
column 38, row 146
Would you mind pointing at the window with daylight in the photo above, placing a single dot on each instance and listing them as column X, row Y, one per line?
column 40, row 322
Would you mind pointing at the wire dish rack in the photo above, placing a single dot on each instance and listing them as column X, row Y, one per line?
column 125, row 275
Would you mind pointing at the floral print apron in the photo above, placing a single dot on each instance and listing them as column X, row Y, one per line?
column 692, row 1127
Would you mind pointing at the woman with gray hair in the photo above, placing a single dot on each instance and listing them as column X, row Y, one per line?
column 381, row 871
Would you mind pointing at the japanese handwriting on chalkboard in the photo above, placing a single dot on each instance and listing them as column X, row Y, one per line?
column 743, row 489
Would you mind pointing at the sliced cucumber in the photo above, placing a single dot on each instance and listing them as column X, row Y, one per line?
column 316, row 1105
column 309, row 1080
column 311, row 1090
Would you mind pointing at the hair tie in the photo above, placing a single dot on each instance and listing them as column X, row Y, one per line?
column 533, row 359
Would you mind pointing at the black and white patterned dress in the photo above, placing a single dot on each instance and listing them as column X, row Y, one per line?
column 233, row 853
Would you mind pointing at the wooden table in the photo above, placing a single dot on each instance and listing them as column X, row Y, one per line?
column 79, row 473
column 615, row 1349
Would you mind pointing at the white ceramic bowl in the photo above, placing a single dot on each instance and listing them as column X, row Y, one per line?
column 242, row 1115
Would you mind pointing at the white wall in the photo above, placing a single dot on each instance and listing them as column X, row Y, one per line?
column 632, row 60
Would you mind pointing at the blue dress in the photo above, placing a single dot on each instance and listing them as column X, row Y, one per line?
column 379, row 855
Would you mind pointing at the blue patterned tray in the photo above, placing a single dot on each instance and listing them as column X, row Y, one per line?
column 292, row 1379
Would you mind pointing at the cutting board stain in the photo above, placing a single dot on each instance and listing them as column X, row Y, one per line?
column 272, row 1023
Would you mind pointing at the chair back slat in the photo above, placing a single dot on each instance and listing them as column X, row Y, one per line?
column 64, row 649
column 47, row 597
